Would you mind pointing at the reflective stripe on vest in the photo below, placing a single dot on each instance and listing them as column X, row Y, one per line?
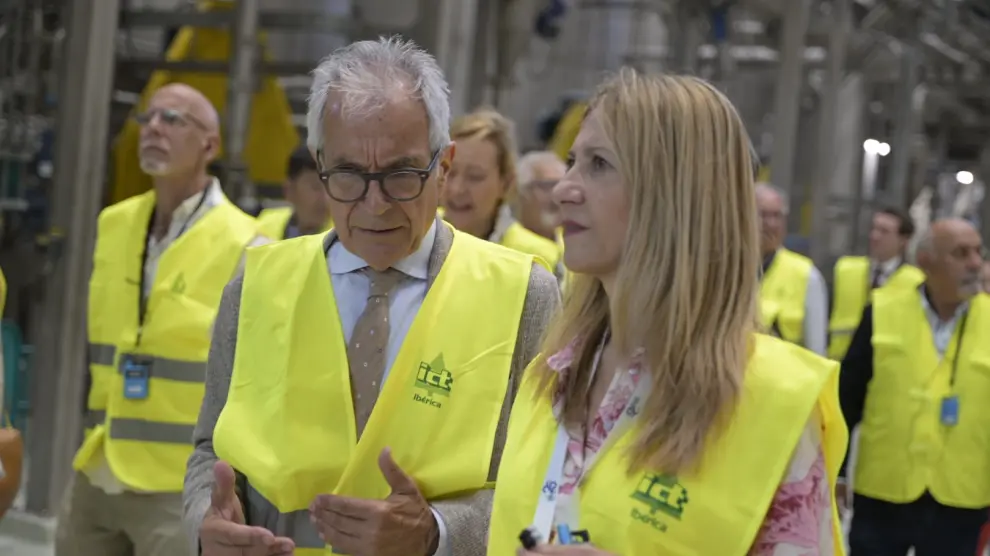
column 782, row 295
column 148, row 441
column 101, row 354
column 904, row 449
column 645, row 513
column 288, row 424
column 851, row 295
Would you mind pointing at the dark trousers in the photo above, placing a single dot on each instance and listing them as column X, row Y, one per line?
column 884, row 529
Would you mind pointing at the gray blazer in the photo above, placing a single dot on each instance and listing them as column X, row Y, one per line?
column 466, row 518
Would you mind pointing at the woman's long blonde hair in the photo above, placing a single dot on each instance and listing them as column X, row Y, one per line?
column 687, row 285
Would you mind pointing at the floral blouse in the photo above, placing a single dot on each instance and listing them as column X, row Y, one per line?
column 799, row 521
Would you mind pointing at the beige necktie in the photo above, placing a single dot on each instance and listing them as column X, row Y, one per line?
column 369, row 343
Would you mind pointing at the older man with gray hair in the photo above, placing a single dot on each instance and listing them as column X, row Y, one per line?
column 538, row 172
column 793, row 295
column 360, row 382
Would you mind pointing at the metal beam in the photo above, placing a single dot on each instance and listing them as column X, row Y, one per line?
column 146, row 64
column 59, row 369
column 295, row 21
column 240, row 88
column 828, row 124
column 787, row 97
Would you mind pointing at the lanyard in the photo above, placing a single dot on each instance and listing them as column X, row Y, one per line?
column 958, row 350
column 142, row 302
column 547, row 506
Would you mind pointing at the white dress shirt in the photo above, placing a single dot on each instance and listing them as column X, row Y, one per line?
column 942, row 330
column 816, row 313
column 887, row 269
column 351, row 289
column 186, row 214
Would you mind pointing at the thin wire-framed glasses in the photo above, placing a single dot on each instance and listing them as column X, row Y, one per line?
column 169, row 117
column 350, row 186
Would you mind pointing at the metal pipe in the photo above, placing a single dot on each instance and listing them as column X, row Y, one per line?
column 241, row 86
column 828, row 131
column 787, row 96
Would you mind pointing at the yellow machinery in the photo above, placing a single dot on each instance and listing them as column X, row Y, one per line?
column 271, row 136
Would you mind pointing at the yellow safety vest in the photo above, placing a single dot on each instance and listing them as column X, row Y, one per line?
column 904, row 449
column 716, row 510
column 272, row 222
column 288, row 424
column 782, row 295
column 852, row 293
column 147, row 441
column 521, row 239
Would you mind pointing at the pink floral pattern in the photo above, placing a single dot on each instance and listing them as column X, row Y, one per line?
column 799, row 521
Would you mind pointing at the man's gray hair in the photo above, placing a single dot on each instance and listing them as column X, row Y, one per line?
column 770, row 188
column 370, row 74
column 526, row 167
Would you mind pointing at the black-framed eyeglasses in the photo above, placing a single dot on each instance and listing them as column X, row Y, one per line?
column 169, row 117
column 350, row 186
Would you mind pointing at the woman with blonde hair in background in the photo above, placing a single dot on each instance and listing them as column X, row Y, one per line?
column 481, row 186
column 657, row 419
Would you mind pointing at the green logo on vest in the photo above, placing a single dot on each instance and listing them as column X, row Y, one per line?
column 179, row 285
column 435, row 379
column 660, row 494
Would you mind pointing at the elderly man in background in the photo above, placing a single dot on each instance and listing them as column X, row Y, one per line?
column 915, row 379
column 360, row 382
column 538, row 172
column 793, row 295
column 160, row 265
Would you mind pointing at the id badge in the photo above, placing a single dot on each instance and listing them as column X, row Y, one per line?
column 950, row 410
column 137, row 372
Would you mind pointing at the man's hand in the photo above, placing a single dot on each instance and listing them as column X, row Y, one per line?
column 224, row 533
column 563, row 550
column 400, row 525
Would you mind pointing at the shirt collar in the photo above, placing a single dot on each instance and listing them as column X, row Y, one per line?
column 888, row 267
column 187, row 208
column 933, row 314
column 503, row 220
column 416, row 264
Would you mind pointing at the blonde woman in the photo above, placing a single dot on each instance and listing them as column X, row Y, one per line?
column 481, row 186
column 657, row 420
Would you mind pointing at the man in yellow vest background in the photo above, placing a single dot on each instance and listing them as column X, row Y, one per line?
column 855, row 278
column 359, row 384
column 793, row 295
column 916, row 379
column 538, row 172
column 309, row 205
column 160, row 264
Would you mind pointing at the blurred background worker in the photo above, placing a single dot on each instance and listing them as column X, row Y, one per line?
column 377, row 362
column 309, row 205
column 855, row 278
column 793, row 295
column 917, row 375
column 479, row 195
column 538, row 172
column 160, row 265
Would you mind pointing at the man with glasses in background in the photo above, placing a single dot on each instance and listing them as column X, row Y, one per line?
column 360, row 382
column 160, row 264
column 538, row 172
column 793, row 295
